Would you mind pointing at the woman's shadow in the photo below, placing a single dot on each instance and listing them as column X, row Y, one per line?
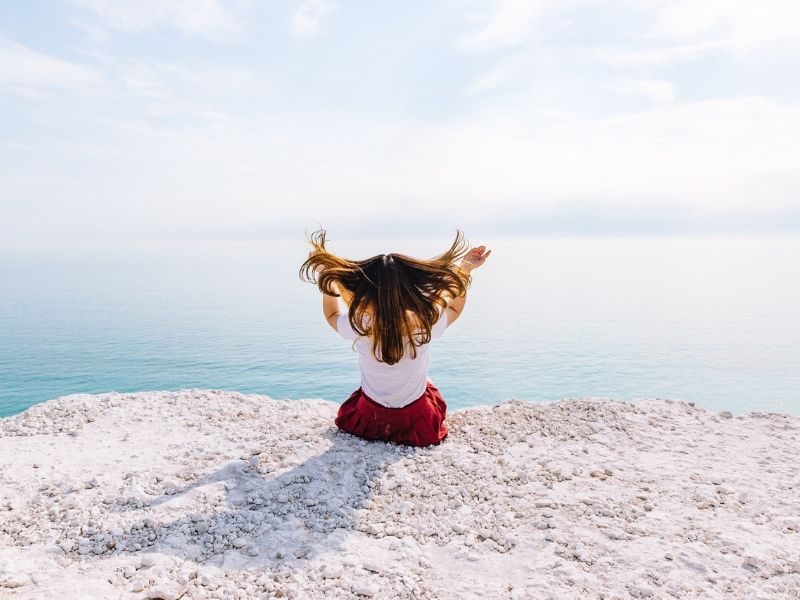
column 305, row 511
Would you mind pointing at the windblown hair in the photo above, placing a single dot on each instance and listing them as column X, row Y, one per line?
column 404, row 296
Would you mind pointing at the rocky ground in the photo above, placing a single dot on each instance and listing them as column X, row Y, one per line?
column 208, row 494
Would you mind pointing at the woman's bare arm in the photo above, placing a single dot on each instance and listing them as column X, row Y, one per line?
column 474, row 259
column 330, row 308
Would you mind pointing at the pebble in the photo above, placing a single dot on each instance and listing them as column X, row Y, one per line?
column 13, row 581
column 726, row 414
column 166, row 590
column 370, row 565
column 364, row 589
column 643, row 590
column 148, row 560
column 332, row 571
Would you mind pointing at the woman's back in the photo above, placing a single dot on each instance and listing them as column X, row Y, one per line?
column 393, row 385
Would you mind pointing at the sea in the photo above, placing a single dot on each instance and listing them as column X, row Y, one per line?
column 713, row 320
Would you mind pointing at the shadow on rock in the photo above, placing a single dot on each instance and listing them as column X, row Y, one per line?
column 247, row 515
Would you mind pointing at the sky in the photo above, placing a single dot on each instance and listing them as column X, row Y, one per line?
column 243, row 119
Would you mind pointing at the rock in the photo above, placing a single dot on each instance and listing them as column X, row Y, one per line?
column 239, row 542
column 148, row 560
column 642, row 590
column 792, row 524
column 370, row 565
column 167, row 590
column 364, row 589
column 12, row 581
column 332, row 571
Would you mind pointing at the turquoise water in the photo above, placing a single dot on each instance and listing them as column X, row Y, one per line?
column 713, row 320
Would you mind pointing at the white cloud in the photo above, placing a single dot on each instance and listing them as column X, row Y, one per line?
column 658, row 91
column 508, row 22
column 742, row 22
column 95, row 34
column 661, row 56
column 21, row 67
column 740, row 28
column 213, row 19
column 308, row 15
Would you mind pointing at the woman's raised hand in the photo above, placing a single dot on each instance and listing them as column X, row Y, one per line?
column 475, row 257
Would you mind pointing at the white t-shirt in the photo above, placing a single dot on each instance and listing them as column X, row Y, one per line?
column 391, row 385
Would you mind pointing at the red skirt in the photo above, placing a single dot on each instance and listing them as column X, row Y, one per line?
column 420, row 423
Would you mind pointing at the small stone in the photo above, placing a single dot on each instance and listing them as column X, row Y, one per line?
column 371, row 566
column 364, row 589
column 643, row 590
column 792, row 524
column 239, row 542
column 167, row 590
column 332, row 571
column 726, row 414
column 147, row 561
column 12, row 581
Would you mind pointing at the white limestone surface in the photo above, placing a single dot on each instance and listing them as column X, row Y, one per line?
column 209, row 494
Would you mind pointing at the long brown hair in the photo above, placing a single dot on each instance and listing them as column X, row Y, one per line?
column 404, row 295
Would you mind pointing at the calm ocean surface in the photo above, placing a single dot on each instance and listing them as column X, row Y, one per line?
column 715, row 320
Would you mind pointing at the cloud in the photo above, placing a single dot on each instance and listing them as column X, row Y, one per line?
column 24, row 68
column 677, row 30
column 213, row 19
column 742, row 22
column 507, row 23
column 308, row 15
column 661, row 56
column 658, row 91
